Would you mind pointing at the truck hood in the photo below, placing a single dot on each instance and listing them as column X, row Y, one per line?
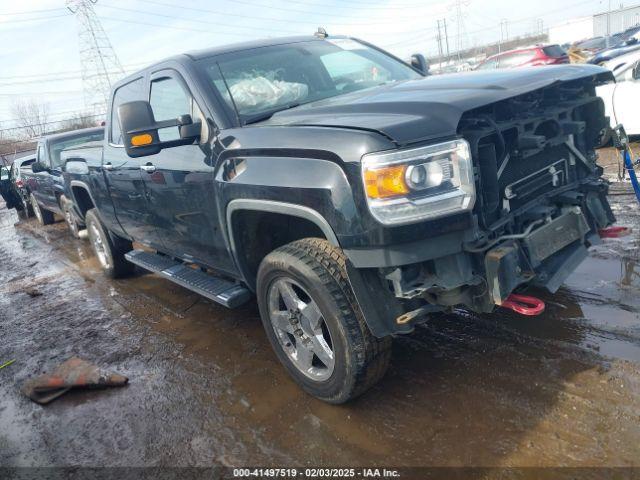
column 429, row 108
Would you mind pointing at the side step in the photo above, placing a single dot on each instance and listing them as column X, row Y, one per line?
column 222, row 291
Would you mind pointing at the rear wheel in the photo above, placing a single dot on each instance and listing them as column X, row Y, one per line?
column 45, row 217
column 109, row 248
column 69, row 216
column 314, row 323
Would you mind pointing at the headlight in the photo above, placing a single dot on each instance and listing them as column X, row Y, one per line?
column 406, row 186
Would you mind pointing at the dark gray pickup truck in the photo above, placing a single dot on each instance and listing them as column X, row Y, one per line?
column 352, row 195
column 43, row 185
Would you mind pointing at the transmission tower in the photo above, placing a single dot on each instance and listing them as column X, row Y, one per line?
column 461, row 37
column 99, row 62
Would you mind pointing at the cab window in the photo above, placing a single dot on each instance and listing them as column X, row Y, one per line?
column 126, row 93
column 169, row 100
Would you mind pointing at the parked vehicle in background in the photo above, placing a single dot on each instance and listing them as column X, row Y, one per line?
column 629, row 45
column 353, row 195
column 19, row 169
column 592, row 46
column 526, row 57
column 12, row 186
column 622, row 99
column 45, row 184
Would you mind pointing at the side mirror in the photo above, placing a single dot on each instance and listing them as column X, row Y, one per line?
column 636, row 71
column 420, row 63
column 140, row 129
column 37, row 167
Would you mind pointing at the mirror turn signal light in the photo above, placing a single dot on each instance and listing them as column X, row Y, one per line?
column 141, row 140
column 386, row 182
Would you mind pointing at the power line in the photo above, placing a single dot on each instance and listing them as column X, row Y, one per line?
column 22, row 127
column 206, row 22
column 327, row 11
column 23, row 20
column 497, row 26
column 64, row 72
column 28, row 12
column 268, row 19
column 20, row 94
column 63, row 114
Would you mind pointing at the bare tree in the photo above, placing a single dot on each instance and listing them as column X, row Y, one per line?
column 31, row 117
column 79, row 120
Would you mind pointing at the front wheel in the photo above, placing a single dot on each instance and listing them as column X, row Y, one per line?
column 45, row 217
column 109, row 249
column 314, row 324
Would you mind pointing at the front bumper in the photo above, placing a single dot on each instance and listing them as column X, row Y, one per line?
column 480, row 276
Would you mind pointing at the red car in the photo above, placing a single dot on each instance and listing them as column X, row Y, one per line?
column 526, row 57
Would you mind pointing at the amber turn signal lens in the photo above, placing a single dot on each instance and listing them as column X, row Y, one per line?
column 386, row 182
column 140, row 140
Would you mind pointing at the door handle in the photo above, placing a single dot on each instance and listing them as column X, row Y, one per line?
column 149, row 168
column 108, row 166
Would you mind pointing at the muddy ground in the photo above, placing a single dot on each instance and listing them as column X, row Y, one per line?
column 562, row 389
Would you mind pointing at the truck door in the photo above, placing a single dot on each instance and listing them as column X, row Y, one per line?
column 180, row 180
column 7, row 192
column 38, row 181
column 123, row 174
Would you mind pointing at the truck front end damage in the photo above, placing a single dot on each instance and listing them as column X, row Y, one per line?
column 539, row 204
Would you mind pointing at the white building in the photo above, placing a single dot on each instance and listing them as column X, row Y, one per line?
column 618, row 20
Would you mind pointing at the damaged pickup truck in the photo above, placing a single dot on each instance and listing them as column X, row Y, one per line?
column 352, row 195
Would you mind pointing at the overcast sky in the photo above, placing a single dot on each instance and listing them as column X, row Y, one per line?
column 40, row 59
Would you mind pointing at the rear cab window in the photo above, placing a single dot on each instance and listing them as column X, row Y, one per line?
column 56, row 146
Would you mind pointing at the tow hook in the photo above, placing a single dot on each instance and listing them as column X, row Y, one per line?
column 524, row 304
column 614, row 232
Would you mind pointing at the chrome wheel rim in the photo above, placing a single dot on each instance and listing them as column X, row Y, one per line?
column 68, row 216
column 99, row 246
column 301, row 329
column 36, row 209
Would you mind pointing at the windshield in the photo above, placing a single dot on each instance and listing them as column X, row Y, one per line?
column 56, row 146
column 259, row 82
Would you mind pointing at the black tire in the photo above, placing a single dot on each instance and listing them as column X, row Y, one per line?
column 45, row 217
column 109, row 248
column 360, row 359
column 69, row 216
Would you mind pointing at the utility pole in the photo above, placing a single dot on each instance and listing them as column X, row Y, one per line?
column 446, row 37
column 99, row 62
column 439, row 39
column 609, row 25
column 504, row 30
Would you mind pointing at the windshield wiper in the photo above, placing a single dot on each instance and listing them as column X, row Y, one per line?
column 269, row 113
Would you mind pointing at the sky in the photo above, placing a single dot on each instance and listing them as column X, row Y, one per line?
column 39, row 51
